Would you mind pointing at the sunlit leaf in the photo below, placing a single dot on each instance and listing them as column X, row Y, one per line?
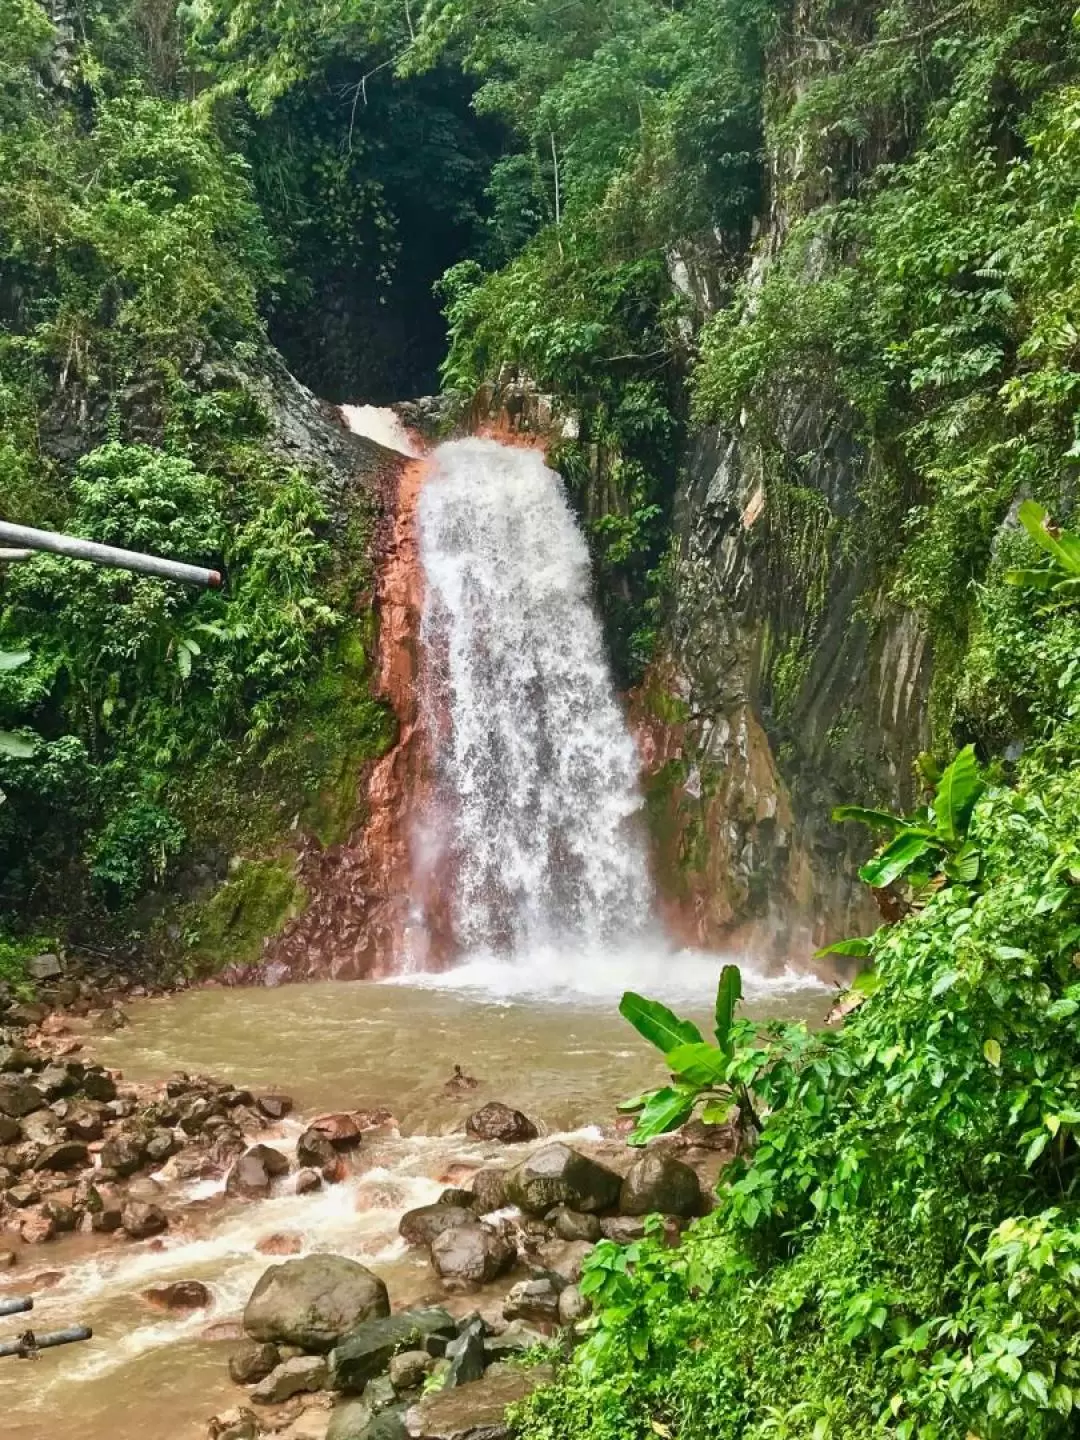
column 728, row 995
column 17, row 747
column 664, row 1110
column 895, row 860
column 659, row 1025
column 858, row 949
column 960, row 788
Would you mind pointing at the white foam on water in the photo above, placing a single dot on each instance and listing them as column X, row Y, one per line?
column 381, row 425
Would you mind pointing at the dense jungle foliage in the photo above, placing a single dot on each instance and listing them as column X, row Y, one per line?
column 898, row 1250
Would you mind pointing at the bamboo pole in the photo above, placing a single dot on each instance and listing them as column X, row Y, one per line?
column 16, row 1305
column 111, row 555
column 9, row 556
column 26, row 1346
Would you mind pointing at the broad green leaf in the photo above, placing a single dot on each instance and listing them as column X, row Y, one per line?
column 1033, row 579
column 664, row 1110
column 859, row 949
column 728, row 995
column 961, row 785
column 1064, row 547
column 13, row 659
column 992, row 1051
column 638, row 1102
column 699, row 1064
column 1036, row 1148
column 894, row 860
column 944, row 982
column 719, row 1112
column 659, row 1025
column 867, row 983
column 17, row 747
column 876, row 819
column 964, row 867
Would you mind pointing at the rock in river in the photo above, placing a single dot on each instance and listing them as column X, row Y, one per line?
column 657, row 1184
column 499, row 1122
column 253, row 1174
column 312, row 1302
column 557, row 1175
column 367, row 1350
column 420, row 1227
column 298, row 1376
column 476, row 1411
column 471, row 1255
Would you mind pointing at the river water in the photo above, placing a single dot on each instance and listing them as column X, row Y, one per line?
column 564, row 1057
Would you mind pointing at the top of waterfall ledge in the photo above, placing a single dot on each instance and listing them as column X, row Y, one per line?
column 382, row 425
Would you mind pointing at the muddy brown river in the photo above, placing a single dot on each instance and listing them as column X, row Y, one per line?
column 149, row 1376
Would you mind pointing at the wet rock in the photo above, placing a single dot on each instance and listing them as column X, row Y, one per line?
column 10, row 1130
column 536, row 1300
column 293, row 1377
column 68, row 1155
column 36, row 1227
column 25, row 1014
column 462, row 1199
column 314, row 1301
column 558, row 1175
column 489, row 1190
column 308, row 1181
column 98, row 1084
column 471, row 1255
column 623, row 1229
column 367, row 1349
column 421, row 1226
column 194, row 1115
column 160, row 1146
column 239, row 1424
column 22, row 1195
column 103, row 1205
column 56, row 1081
column 42, row 1128
column 61, row 1213
column 659, row 1184
column 573, row 1306
column 280, row 1244
column 340, row 1129
column 180, row 1296
column 315, row 1151
column 351, row 1420
column 19, row 1098
column 698, row 1135
column 252, row 1363
column 409, row 1369
column 14, row 1057
column 274, row 1107
column 573, row 1225
column 465, row 1355
column 476, row 1411
column 141, row 1220
column 82, row 1122
column 123, row 1153
column 565, row 1258
column 44, row 967
column 500, row 1123
column 252, row 1175
column 514, row 1340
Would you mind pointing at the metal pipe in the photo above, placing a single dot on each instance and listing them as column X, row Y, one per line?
column 77, row 549
column 29, row 1344
column 8, row 556
column 16, row 1305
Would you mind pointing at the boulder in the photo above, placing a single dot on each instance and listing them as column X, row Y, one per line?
column 282, row 1242
column 465, row 1355
column 252, row 1175
column 659, row 1184
column 299, row 1376
column 315, row 1150
column 367, row 1349
column 10, row 1130
column 573, row 1225
column 421, row 1226
column 44, row 967
column 179, row 1296
column 274, row 1107
column 68, row 1155
column 140, row 1220
column 123, row 1153
column 19, row 1098
column 463, row 1199
column 20, row 1196
column 36, row 1227
column 314, row 1301
column 82, row 1122
column 489, row 1190
column 42, row 1128
column 535, row 1300
column 565, row 1258
column 356, row 1420
column 160, row 1146
column 500, row 1123
column 513, row 1341
column 308, row 1181
column 410, row 1368
column 340, row 1129
column 252, row 1363
column 573, row 1306
column 98, row 1084
column 471, row 1255
column 558, row 1175
column 476, row 1411
column 56, row 1081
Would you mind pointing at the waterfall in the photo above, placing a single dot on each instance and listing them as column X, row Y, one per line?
column 533, row 822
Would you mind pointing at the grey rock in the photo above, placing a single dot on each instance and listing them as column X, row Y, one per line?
column 141, row 1220
column 573, row 1305
column 558, row 1175
column 659, row 1184
column 68, row 1155
column 252, row 1363
column 421, row 1226
column 466, row 1355
column 536, row 1300
column 19, row 1098
column 471, row 1255
column 97, row 1085
column 489, row 1190
column 314, row 1301
column 565, row 1257
column 514, row 1340
column 252, row 1175
column 293, row 1377
column 409, row 1369
column 623, row 1229
column 476, row 1411
column 123, row 1154
column 366, row 1350
column 500, row 1123
column 44, row 967
column 313, row 1149
column 573, row 1225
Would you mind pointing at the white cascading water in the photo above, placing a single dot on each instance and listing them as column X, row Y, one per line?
column 536, row 813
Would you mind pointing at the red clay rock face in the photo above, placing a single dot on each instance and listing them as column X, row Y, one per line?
column 354, row 927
